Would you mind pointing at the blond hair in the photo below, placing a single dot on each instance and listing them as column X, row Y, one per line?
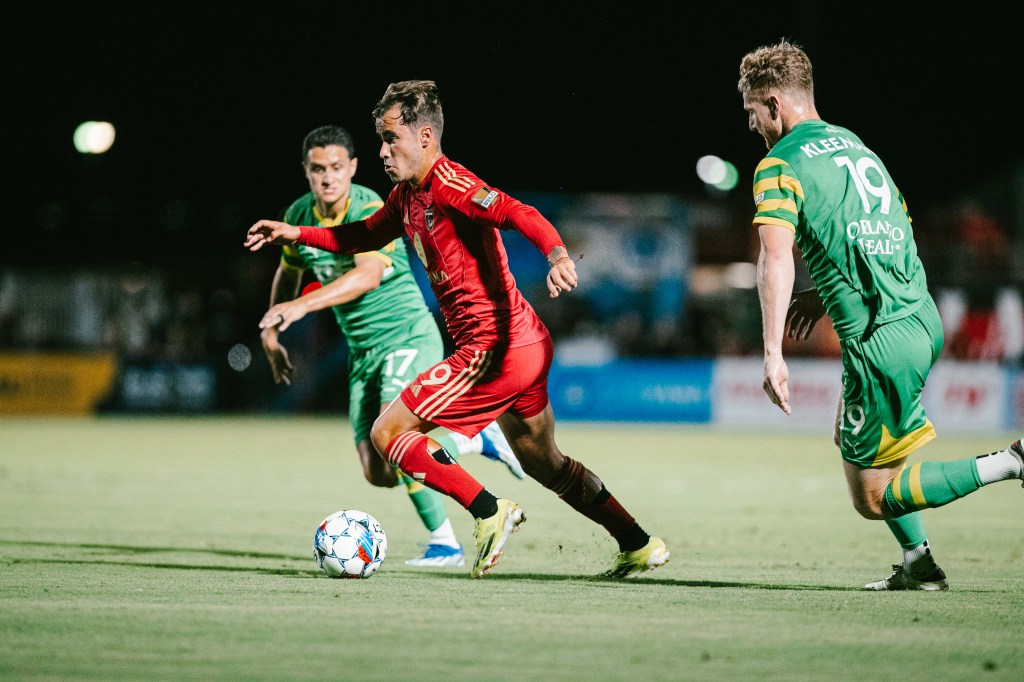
column 782, row 66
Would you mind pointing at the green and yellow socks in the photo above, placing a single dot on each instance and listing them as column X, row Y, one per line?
column 933, row 484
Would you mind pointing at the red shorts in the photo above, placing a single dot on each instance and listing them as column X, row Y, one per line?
column 469, row 389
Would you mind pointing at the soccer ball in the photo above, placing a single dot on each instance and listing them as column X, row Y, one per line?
column 349, row 544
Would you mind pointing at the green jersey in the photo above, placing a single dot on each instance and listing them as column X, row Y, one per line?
column 850, row 221
column 380, row 315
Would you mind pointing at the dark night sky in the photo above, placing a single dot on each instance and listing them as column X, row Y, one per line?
column 212, row 106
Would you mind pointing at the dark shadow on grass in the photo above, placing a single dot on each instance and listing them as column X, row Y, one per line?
column 298, row 572
column 617, row 582
column 597, row 581
column 137, row 549
column 445, row 574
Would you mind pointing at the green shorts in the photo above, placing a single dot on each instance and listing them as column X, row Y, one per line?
column 882, row 418
column 377, row 375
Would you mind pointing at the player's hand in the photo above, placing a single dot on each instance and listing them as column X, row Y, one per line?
column 805, row 310
column 776, row 382
column 270, row 232
column 277, row 355
column 281, row 315
column 562, row 276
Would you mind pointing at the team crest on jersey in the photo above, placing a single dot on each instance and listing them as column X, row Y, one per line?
column 429, row 215
column 484, row 197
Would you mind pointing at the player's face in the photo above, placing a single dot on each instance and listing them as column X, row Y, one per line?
column 401, row 149
column 761, row 121
column 329, row 171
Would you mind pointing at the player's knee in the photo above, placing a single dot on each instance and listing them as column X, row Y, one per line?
column 869, row 508
column 385, row 477
column 381, row 436
column 376, row 469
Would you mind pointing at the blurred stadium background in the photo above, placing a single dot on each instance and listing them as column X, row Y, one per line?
column 124, row 287
column 664, row 327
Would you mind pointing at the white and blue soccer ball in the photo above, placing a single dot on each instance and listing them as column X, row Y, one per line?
column 349, row 544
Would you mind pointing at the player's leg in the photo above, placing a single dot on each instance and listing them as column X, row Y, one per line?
column 457, row 445
column 918, row 570
column 529, row 424
column 897, row 492
column 402, row 436
column 370, row 389
column 892, row 369
column 418, row 353
column 930, row 484
column 363, row 408
column 463, row 394
column 494, row 446
column 489, row 443
column 871, row 456
column 883, row 421
column 402, row 361
column 533, row 440
column 376, row 470
column 442, row 548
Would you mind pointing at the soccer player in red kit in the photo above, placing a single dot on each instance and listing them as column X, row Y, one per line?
column 499, row 369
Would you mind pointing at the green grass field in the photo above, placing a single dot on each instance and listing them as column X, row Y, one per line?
column 180, row 548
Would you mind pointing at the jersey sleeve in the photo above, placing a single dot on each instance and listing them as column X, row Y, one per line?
column 365, row 211
column 903, row 203
column 778, row 194
column 359, row 236
column 494, row 208
column 290, row 256
column 386, row 221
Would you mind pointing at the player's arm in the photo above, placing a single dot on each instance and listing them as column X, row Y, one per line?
column 775, row 275
column 365, row 276
column 494, row 207
column 284, row 288
column 358, row 236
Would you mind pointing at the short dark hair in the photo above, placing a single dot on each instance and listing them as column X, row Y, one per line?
column 419, row 101
column 326, row 136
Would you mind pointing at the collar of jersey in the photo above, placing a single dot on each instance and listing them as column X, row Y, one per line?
column 425, row 185
column 331, row 222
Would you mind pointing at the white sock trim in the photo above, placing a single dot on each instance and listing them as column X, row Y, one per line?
column 444, row 535
column 997, row 466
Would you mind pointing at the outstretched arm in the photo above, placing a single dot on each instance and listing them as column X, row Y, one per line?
column 354, row 237
column 270, row 232
column 365, row 276
column 775, row 274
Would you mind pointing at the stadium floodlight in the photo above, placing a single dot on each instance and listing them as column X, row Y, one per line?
column 716, row 172
column 94, row 137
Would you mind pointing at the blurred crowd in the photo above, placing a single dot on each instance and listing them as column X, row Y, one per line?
column 659, row 278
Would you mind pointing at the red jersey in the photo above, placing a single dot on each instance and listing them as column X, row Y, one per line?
column 453, row 221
